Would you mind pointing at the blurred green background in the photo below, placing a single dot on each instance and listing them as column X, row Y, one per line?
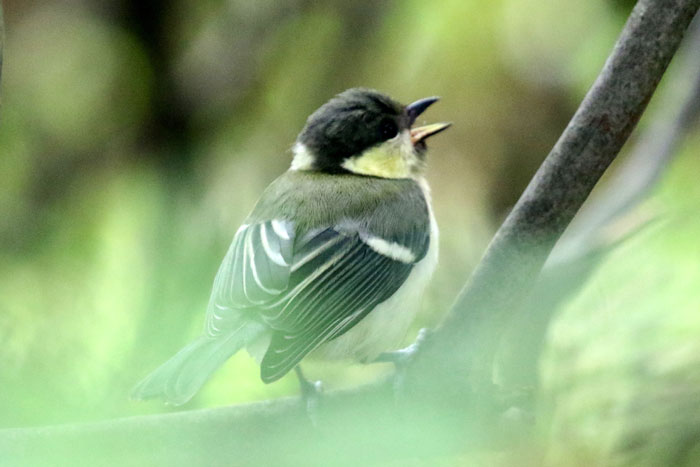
column 136, row 136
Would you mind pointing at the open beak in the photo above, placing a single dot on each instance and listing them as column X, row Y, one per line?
column 420, row 133
column 418, row 107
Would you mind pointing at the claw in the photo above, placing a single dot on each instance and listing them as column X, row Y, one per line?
column 311, row 395
column 401, row 358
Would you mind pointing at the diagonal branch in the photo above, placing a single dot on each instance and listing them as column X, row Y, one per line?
column 650, row 156
column 591, row 141
column 590, row 236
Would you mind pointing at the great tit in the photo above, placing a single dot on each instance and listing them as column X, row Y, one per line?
column 335, row 256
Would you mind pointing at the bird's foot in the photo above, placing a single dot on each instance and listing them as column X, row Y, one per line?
column 311, row 392
column 401, row 358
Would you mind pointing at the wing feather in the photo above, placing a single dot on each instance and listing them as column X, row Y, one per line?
column 307, row 288
column 349, row 290
column 255, row 271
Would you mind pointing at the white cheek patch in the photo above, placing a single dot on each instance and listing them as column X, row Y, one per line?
column 303, row 159
column 390, row 249
column 404, row 144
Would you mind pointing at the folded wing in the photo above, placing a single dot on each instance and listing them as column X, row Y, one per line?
column 308, row 287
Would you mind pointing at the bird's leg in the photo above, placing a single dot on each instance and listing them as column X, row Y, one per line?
column 400, row 358
column 310, row 394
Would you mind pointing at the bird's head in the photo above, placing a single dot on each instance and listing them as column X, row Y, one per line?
column 365, row 132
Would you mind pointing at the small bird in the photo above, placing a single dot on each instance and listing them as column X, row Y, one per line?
column 334, row 258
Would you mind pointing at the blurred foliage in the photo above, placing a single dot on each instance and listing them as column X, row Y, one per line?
column 621, row 374
column 136, row 137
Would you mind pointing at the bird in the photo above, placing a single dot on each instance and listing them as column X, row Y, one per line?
column 335, row 256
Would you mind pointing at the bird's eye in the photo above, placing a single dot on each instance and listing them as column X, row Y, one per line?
column 388, row 129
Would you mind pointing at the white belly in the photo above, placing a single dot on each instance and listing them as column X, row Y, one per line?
column 385, row 327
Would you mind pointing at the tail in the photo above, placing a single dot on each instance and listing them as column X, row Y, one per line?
column 181, row 377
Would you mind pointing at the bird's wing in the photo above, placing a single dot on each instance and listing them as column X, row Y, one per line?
column 338, row 275
column 254, row 272
column 309, row 287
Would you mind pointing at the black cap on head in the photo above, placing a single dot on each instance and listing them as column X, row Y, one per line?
column 349, row 123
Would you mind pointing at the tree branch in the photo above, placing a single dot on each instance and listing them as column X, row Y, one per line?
column 440, row 417
column 591, row 141
column 354, row 428
column 650, row 156
column 588, row 239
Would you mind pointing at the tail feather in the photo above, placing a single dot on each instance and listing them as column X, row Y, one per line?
column 181, row 377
